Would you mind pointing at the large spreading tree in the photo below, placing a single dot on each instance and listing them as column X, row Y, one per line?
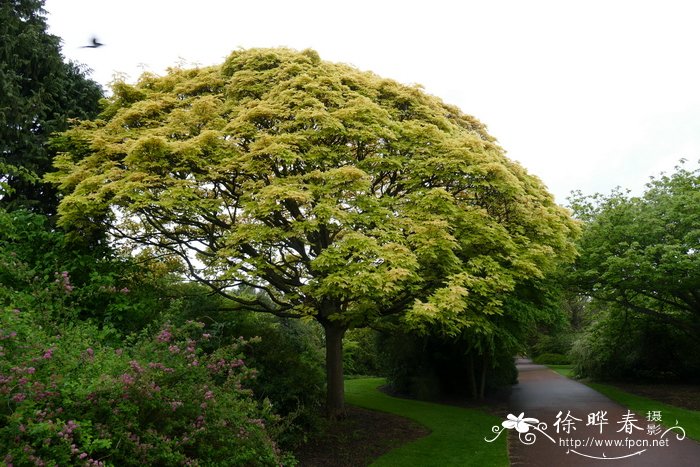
column 641, row 254
column 39, row 94
column 336, row 194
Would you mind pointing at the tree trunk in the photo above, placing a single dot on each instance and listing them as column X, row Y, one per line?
column 335, row 388
column 484, row 366
column 472, row 377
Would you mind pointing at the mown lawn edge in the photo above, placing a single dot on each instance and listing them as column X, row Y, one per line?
column 457, row 435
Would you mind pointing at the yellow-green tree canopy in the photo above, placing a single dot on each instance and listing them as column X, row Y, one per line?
column 336, row 193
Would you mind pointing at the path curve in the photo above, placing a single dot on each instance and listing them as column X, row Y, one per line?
column 542, row 393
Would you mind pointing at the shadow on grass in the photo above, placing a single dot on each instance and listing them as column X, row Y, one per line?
column 457, row 434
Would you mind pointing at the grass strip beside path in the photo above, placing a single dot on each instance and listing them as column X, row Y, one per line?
column 457, row 434
column 564, row 370
column 689, row 420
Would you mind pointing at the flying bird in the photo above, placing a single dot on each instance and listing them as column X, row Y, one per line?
column 95, row 44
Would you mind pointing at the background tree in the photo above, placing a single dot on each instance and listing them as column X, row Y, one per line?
column 642, row 253
column 475, row 358
column 338, row 195
column 640, row 262
column 39, row 93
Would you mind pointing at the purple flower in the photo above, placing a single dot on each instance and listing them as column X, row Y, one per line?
column 4, row 336
column 175, row 404
column 126, row 378
column 64, row 281
column 237, row 363
column 164, row 336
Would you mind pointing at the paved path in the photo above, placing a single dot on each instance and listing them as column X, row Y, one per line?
column 542, row 394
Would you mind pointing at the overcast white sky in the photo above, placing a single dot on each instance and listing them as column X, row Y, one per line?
column 586, row 95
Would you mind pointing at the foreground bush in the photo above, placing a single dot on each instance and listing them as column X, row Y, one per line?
column 70, row 399
column 96, row 283
column 287, row 354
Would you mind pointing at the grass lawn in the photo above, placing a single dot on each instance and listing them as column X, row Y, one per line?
column 687, row 419
column 457, row 434
column 564, row 370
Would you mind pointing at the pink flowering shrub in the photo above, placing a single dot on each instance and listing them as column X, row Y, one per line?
column 74, row 391
column 73, row 398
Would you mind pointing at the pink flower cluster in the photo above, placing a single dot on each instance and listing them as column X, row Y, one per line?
column 164, row 336
column 4, row 336
column 68, row 429
column 160, row 366
column 221, row 364
column 63, row 280
column 175, row 404
column 127, row 379
column 112, row 289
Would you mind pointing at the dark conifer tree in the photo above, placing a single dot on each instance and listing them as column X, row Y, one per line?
column 39, row 93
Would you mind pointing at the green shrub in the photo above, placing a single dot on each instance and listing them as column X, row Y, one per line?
column 558, row 342
column 95, row 283
column 621, row 345
column 76, row 392
column 72, row 400
column 361, row 353
column 288, row 354
column 289, row 358
column 552, row 359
